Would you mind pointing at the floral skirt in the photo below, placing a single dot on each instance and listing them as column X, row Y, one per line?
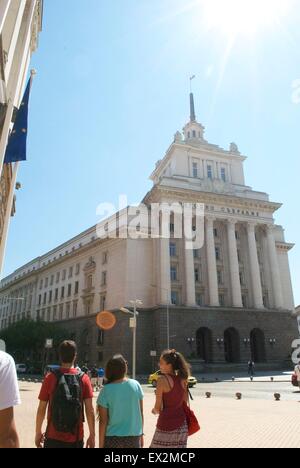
column 122, row 442
column 172, row 439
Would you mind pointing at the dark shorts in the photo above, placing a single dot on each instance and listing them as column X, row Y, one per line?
column 55, row 444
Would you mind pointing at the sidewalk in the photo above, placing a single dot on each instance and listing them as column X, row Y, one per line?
column 225, row 423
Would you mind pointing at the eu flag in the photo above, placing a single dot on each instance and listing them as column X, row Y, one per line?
column 16, row 147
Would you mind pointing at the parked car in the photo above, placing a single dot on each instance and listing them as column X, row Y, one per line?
column 295, row 382
column 21, row 368
column 153, row 378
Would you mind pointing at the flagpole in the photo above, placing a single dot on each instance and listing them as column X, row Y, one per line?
column 10, row 201
column 14, row 86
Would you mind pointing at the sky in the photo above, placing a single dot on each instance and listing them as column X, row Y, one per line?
column 112, row 89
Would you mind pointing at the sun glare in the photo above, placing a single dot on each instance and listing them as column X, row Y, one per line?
column 243, row 17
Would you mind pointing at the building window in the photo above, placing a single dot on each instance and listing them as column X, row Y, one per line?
column 45, row 298
column 40, row 299
column 89, row 282
column 56, row 294
column 49, row 315
column 173, row 250
column 174, row 298
column 76, row 287
column 199, row 300
column 245, row 301
column 104, row 258
column 100, row 341
column 194, row 134
column 50, row 297
column 242, row 279
column 71, row 272
column 69, row 290
column 195, row 170
column 102, row 302
column 46, row 282
column 209, row 172
column 216, row 232
column 197, row 275
column 88, row 308
column 266, row 301
column 104, row 278
column 68, row 309
column 75, row 307
column 173, row 273
column 172, row 228
column 196, row 253
column 41, row 284
column 223, row 174
column 54, row 313
column 62, row 292
column 222, row 300
column 218, row 253
column 61, row 311
column 239, row 256
column 52, row 280
column 64, row 274
column 57, row 277
column 77, row 270
column 237, row 235
column 220, row 277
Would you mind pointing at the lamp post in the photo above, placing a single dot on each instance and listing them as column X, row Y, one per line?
column 133, row 325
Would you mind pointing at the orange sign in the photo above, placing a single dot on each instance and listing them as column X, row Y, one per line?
column 106, row 320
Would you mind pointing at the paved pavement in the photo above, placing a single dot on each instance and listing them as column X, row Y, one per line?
column 255, row 421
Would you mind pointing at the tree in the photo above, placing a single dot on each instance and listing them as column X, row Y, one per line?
column 25, row 340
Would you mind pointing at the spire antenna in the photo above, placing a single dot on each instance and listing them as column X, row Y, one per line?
column 192, row 102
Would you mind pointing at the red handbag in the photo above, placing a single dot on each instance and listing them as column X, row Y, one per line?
column 192, row 421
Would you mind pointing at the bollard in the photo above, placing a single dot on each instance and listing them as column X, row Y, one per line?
column 208, row 395
column 277, row 396
column 239, row 396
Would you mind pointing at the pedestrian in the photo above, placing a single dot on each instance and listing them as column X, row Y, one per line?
column 94, row 377
column 120, row 408
column 9, row 398
column 171, row 394
column 66, row 393
column 251, row 367
column 297, row 372
column 101, row 374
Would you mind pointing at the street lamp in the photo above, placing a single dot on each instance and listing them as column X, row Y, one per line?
column 168, row 314
column 133, row 325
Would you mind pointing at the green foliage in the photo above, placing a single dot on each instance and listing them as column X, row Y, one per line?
column 26, row 338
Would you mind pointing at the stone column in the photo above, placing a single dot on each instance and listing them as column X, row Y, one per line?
column 189, row 276
column 236, row 289
column 254, row 266
column 211, row 263
column 275, row 273
column 165, row 271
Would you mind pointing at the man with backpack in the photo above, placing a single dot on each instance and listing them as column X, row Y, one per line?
column 66, row 393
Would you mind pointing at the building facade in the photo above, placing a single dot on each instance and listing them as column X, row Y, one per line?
column 221, row 304
column 20, row 24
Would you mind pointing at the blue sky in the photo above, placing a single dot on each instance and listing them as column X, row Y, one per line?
column 111, row 91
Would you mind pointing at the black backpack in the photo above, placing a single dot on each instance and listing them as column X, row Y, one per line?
column 67, row 403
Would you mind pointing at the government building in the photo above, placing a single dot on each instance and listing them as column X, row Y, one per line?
column 20, row 25
column 221, row 304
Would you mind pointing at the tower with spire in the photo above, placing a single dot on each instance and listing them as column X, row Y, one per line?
column 193, row 130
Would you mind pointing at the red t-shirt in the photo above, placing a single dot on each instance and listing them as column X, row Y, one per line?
column 46, row 394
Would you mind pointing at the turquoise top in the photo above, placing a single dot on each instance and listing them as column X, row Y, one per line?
column 122, row 400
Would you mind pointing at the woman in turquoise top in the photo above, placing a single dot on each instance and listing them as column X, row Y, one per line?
column 120, row 408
